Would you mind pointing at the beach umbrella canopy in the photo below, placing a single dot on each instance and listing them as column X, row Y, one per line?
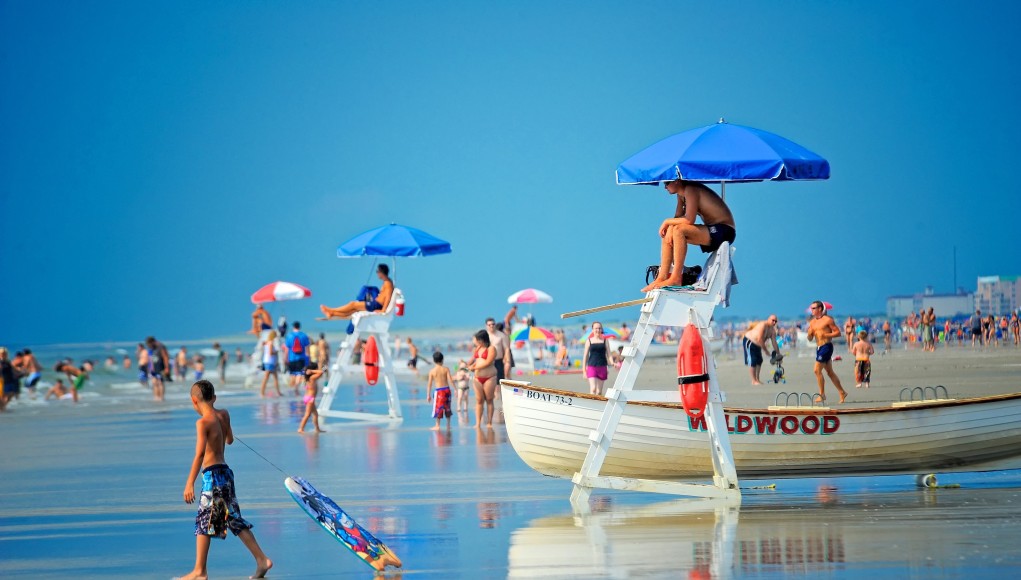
column 607, row 331
column 720, row 153
column 278, row 291
column 529, row 296
column 532, row 333
column 393, row 240
column 825, row 305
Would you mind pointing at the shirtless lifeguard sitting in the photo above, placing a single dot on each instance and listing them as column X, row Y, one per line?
column 380, row 302
column 260, row 320
column 693, row 199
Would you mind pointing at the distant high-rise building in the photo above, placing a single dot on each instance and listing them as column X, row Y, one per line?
column 998, row 295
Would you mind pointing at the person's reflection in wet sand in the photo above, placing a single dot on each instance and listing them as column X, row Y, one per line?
column 442, row 438
column 268, row 413
column 602, row 503
column 826, row 495
column 373, row 446
column 489, row 513
column 485, row 449
column 312, row 445
column 444, row 512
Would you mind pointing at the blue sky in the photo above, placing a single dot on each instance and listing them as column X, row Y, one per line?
column 159, row 161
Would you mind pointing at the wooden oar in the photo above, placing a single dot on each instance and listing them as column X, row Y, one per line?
column 607, row 307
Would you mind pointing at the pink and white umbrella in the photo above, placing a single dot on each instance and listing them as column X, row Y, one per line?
column 529, row 296
column 278, row 291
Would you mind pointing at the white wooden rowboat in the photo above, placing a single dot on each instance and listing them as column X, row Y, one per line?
column 549, row 429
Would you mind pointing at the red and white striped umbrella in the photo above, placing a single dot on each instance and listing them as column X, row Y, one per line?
column 278, row 291
column 529, row 296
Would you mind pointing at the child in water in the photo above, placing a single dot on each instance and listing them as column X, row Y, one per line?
column 462, row 381
column 57, row 391
column 862, row 351
column 312, row 374
column 199, row 364
column 439, row 376
column 218, row 506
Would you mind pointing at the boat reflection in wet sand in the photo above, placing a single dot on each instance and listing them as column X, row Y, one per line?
column 821, row 533
column 549, row 429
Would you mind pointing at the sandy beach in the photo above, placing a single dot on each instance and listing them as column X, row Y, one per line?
column 94, row 490
column 965, row 372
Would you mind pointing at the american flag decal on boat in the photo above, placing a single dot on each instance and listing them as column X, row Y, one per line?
column 519, row 392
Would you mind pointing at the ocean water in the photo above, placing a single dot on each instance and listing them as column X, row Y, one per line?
column 95, row 490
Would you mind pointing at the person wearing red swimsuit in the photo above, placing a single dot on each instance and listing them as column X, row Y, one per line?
column 485, row 377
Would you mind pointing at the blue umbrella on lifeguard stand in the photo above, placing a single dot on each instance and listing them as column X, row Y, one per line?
column 394, row 241
column 722, row 153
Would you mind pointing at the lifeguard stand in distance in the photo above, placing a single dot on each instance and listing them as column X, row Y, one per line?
column 366, row 324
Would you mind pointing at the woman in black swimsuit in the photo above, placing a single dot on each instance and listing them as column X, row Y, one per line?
column 595, row 357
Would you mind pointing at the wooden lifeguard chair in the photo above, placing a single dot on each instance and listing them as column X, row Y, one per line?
column 366, row 324
column 666, row 307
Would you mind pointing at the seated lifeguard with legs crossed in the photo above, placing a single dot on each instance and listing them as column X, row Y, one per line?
column 380, row 302
column 693, row 199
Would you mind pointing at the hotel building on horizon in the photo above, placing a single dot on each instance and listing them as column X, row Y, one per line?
column 961, row 302
column 997, row 295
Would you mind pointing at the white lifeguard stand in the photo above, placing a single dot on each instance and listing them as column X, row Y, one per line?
column 366, row 324
column 667, row 307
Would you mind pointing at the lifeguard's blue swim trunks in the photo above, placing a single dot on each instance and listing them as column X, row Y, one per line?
column 218, row 506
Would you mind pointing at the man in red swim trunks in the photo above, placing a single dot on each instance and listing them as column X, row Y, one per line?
column 693, row 199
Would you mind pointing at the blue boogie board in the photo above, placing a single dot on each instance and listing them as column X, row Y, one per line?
column 340, row 525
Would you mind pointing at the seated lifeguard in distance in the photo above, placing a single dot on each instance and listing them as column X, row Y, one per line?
column 693, row 199
column 369, row 304
column 260, row 320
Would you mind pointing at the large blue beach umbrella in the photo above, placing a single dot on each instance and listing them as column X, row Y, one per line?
column 722, row 153
column 393, row 240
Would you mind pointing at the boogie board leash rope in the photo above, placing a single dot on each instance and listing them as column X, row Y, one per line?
column 236, row 438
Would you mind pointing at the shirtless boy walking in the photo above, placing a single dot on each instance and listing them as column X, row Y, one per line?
column 862, row 351
column 823, row 329
column 438, row 386
column 693, row 200
column 218, row 506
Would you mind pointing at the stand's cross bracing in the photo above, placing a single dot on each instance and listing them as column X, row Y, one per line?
column 366, row 324
column 663, row 307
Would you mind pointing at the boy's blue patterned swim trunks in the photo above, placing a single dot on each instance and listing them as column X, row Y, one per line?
column 218, row 506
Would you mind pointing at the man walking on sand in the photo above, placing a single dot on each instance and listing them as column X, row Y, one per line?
column 754, row 342
column 823, row 329
column 693, row 200
column 976, row 328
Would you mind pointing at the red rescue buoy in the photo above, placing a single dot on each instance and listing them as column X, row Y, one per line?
column 370, row 358
column 692, row 372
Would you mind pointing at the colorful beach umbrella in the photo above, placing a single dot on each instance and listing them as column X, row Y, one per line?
column 531, row 333
column 721, row 153
column 607, row 331
column 825, row 305
column 529, row 296
column 278, row 291
column 393, row 240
